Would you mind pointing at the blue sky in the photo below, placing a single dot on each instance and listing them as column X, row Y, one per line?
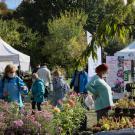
column 12, row 4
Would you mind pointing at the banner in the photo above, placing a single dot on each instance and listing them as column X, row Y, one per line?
column 112, row 71
column 115, row 77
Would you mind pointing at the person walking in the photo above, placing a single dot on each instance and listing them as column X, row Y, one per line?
column 60, row 87
column 79, row 81
column 45, row 74
column 36, row 68
column 101, row 91
column 38, row 90
column 13, row 86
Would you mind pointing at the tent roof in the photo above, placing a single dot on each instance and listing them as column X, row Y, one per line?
column 7, row 50
column 128, row 52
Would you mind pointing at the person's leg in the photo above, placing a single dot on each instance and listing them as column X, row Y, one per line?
column 33, row 105
column 46, row 93
column 39, row 106
column 102, row 113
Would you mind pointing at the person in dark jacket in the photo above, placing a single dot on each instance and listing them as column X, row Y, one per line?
column 1, row 89
column 38, row 90
column 79, row 81
column 36, row 69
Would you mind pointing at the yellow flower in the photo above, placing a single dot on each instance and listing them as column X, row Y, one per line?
column 56, row 109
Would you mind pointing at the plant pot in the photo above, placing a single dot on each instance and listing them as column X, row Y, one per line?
column 132, row 111
column 83, row 124
column 125, row 111
column 118, row 111
column 19, row 131
column 96, row 129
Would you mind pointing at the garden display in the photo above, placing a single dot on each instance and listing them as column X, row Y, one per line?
column 113, row 123
column 125, row 107
column 51, row 121
column 121, row 121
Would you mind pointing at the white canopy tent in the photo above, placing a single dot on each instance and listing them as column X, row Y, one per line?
column 10, row 55
column 128, row 52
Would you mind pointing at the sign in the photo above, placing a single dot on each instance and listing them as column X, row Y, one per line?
column 115, row 77
column 112, row 71
column 126, row 75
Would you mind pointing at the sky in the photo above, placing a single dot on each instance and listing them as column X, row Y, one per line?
column 12, row 4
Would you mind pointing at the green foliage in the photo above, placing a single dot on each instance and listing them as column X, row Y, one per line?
column 37, row 13
column 107, row 21
column 57, row 37
column 3, row 6
column 20, row 37
column 8, row 31
column 67, row 39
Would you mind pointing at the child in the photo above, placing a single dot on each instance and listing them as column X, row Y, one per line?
column 13, row 86
column 60, row 88
column 38, row 90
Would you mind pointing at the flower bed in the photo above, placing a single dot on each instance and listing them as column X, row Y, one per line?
column 51, row 121
column 113, row 123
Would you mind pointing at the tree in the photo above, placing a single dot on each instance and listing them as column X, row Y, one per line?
column 21, row 38
column 3, row 8
column 66, row 40
column 108, row 20
column 36, row 13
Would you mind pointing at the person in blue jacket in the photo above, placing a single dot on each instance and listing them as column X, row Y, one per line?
column 101, row 91
column 1, row 89
column 38, row 90
column 79, row 81
column 13, row 86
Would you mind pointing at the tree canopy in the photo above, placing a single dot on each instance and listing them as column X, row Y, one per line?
column 55, row 31
column 67, row 39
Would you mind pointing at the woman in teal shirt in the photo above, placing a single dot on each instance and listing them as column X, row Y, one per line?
column 101, row 92
column 38, row 90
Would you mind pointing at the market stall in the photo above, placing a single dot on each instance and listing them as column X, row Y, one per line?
column 121, row 75
column 9, row 55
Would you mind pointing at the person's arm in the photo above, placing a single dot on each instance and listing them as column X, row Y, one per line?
column 22, row 86
column 5, row 88
column 90, row 87
column 49, row 76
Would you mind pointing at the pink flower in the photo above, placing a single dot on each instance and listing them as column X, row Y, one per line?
column 37, row 124
column 17, row 123
column 48, row 116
